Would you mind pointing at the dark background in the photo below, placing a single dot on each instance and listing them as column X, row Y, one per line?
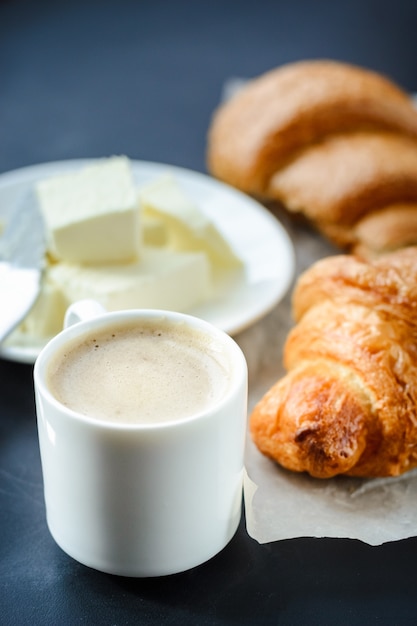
column 90, row 79
column 86, row 79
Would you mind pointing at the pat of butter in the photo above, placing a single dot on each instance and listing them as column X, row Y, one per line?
column 92, row 215
column 47, row 315
column 162, row 279
column 154, row 231
column 188, row 227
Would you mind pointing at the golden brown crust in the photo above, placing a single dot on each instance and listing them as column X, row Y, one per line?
column 386, row 282
column 330, row 140
column 252, row 135
column 386, row 229
column 285, row 425
column 346, row 176
column 348, row 403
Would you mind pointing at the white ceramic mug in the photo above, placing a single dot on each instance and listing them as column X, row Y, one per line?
column 142, row 499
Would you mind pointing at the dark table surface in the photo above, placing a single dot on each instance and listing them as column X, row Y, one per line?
column 90, row 79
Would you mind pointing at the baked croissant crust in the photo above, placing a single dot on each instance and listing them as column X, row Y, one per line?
column 332, row 141
column 348, row 404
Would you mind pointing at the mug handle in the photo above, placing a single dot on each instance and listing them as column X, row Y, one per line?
column 81, row 311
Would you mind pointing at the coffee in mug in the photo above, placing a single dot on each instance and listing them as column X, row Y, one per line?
column 140, row 373
column 142, row 427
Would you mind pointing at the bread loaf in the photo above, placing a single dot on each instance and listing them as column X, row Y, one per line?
column 327, row 139
column 348, row 404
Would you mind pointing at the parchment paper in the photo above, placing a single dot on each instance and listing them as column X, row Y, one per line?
column 284, row 505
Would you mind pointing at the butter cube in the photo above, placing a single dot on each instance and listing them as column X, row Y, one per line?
column 154, row 231
column 92, row 215
column 189, row 229
column 46, row 317
column 162, row 279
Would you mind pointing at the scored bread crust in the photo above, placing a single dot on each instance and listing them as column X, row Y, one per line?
column 348, row 402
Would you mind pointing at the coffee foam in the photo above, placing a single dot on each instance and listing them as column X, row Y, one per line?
column 157, row 372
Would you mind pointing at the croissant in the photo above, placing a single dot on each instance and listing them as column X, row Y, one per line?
column 348, row 403
column 330, row 140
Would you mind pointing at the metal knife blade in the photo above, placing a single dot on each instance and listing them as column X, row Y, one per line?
column 22, row 259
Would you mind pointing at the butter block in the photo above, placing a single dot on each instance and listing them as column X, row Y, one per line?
column 92, row 215
column 189, row 229
column 154, row 231
column 46, row 317
column 162, row 279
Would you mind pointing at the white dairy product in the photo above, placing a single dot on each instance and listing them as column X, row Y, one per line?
column 47, row 315
column 92, row 215
column 164, row 255
column 188, row 227
column 154, row 230
column 163, row 279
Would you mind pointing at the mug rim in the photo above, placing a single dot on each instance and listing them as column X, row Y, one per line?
column 238, row 365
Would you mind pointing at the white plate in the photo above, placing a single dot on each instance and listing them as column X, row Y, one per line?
column 257, row 236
